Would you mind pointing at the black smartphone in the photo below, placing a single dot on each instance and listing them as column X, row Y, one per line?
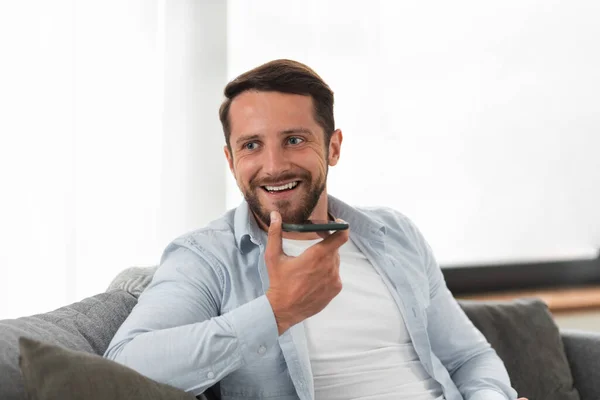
column 315, row 226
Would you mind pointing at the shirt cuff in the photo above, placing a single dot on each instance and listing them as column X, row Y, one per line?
column 256, row 328
column 488, row 394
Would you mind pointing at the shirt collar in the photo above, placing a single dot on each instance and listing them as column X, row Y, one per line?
column 360, row 223
column 246, row 228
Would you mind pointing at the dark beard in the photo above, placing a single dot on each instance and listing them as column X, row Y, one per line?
column 288, row 215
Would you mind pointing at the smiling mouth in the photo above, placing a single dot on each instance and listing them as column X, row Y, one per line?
column 281, row 188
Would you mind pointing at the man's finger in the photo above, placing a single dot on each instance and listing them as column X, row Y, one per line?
column 335, row 241
column 274, row 237
column 323, row 234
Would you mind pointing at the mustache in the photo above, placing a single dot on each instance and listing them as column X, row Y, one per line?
column 273, row 179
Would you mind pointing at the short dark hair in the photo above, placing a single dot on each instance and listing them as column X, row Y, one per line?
column 286, row 76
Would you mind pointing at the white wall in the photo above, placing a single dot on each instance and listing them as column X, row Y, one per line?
column 110, row 144
column 479, row 120
column 586, row 320
column 29, row 167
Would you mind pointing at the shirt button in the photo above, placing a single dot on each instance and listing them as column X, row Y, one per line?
column 262, row 350
column 210, row 375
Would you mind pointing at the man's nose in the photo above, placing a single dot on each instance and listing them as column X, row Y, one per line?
column 275, row 160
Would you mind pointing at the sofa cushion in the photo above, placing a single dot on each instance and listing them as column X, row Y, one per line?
column 88, row 326
column 526, row 338
column 55, row 373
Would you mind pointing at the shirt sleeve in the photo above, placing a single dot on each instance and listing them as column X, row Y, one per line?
column 175, row 334
column 474, row 366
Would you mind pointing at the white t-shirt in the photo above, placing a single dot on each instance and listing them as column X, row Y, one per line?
column 359, row 346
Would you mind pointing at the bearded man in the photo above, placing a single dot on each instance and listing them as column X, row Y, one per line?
column 363, row 313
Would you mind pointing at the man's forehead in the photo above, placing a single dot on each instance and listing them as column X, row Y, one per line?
column 254, row 112
column 254, row 100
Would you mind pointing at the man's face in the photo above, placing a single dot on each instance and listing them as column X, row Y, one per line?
column 278, row 154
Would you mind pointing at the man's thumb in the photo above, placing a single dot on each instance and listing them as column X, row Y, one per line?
column 274, row 246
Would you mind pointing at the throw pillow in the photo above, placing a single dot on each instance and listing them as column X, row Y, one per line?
column 526, row 338
column 88, row 326
column 55, row 373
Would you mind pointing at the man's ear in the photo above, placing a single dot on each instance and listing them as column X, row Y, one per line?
column 335, row 147
column 229, row 158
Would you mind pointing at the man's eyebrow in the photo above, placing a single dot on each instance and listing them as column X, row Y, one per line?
column 247, row 138
column 296, row 130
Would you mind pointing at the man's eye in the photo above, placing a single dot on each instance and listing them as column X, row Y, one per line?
column 250, row 146
column 295, row 140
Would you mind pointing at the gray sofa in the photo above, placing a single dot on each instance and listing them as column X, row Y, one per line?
column 583, row 353
column 543, row 362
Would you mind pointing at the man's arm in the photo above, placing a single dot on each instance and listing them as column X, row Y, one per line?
column 474, row 366
column 175, row 335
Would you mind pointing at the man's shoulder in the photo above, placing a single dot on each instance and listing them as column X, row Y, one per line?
column 398, row 227
column 216, row 237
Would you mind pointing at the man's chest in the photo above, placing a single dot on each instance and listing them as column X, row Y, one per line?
column 366, row 315
column 362, row 317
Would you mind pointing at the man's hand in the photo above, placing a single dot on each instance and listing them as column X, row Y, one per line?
column 302, row 286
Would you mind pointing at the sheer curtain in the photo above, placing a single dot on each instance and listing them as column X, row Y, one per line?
column 108, row 126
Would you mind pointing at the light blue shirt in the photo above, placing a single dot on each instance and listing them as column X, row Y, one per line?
column 205, row 317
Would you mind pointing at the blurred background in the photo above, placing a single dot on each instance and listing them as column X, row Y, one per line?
column 478, row 120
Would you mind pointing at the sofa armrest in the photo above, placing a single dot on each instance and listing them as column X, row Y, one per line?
column 583, row 353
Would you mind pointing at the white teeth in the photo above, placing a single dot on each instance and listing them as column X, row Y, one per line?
column 290, row 185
